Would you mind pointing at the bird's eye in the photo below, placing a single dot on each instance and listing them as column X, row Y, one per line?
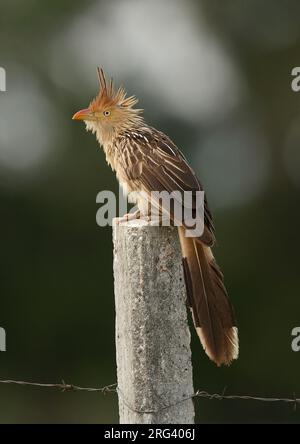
column 106, row 113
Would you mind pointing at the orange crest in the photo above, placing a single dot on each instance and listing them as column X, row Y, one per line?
column 108, row 97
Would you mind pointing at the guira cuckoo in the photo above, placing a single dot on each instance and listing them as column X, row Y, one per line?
column 146, row 160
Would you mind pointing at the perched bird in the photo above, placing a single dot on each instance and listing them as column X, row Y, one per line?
column 146, row 160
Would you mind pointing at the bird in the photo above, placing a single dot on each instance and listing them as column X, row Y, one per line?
column 146, row 160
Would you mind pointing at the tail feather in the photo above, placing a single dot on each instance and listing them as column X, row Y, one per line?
column 212, row 311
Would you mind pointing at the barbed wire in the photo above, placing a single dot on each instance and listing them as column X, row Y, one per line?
column 113, row 388
column 64, row 387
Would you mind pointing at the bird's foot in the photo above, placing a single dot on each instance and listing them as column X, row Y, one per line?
column 129, row 216
column 147, row 217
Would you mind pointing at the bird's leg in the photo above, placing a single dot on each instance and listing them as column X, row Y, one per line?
column 129, row 216
column 132, row 216
column 145, row 216
column 156, row 218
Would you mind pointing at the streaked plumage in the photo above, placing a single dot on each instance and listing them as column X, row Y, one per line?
column 146, row 160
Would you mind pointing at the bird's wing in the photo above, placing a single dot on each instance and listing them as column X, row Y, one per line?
column 154, row 162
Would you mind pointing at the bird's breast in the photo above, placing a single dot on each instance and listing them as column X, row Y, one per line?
column 131, row 188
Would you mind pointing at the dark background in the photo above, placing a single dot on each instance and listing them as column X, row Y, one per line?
column 214, row 75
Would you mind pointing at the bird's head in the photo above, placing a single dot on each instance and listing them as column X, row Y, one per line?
column 110, row 112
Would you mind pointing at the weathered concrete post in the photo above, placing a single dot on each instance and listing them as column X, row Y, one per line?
column 152, row 335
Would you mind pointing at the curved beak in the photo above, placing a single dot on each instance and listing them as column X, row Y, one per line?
column 83, row 114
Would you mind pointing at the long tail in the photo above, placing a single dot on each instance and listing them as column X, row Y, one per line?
column 207, row 297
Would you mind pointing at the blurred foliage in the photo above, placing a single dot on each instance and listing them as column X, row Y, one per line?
column 56, row 283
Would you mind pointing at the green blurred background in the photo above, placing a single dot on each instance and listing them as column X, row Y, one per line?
column 216, row 76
